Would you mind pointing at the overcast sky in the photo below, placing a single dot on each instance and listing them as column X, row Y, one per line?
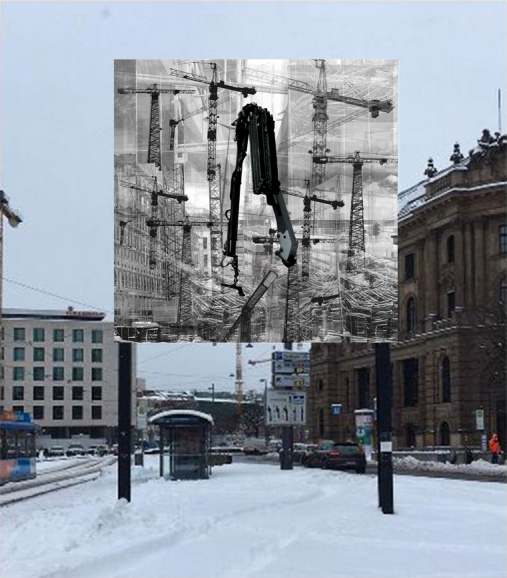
column 57, row 120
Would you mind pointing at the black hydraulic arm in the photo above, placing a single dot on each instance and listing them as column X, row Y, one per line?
column 257, row 124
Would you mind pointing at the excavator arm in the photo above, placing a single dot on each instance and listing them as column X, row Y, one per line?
column 257, row 124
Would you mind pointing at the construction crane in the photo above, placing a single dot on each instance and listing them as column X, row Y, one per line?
column 155, row 193
column 356, row 230
column 185, row 293
column 154, row 149
column 256, row 124
column 307, row 199
column 174, row 123
column 238, row 382
column 374, row 106
column 244, row 318
column 213, row 170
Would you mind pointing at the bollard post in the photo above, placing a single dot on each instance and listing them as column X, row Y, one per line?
column 124, row 418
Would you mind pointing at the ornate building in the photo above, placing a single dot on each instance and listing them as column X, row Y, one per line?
column 450, row 358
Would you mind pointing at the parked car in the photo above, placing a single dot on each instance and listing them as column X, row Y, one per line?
column 255, row 447
column 114, row 449
column 274, row 446
column 301, row 451
column 75, row 450
column 337, row 455
column 56, row 452
column 92, row 450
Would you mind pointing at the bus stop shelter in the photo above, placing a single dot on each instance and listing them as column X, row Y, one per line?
column 185, row 443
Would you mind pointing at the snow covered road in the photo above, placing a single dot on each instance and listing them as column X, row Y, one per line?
column 253, row 520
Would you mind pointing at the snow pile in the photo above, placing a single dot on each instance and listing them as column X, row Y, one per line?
column 476, row 467
column 253, row 520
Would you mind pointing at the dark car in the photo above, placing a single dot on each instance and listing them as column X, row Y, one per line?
column 337, row 455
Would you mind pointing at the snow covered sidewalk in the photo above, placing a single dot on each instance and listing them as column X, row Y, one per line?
column 254, row 520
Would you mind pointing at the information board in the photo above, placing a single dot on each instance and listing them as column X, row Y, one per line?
column 285, row 408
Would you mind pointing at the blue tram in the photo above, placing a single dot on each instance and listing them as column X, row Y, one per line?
column 17, row 447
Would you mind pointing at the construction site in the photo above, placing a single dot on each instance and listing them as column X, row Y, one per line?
column 255, row 200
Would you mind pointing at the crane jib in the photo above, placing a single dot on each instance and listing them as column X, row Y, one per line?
column 257, row 124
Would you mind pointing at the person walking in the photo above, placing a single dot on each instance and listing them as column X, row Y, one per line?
column 494, row 448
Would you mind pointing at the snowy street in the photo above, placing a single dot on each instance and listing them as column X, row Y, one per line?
column 253, row 520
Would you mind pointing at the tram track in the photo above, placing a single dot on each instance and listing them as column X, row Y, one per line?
column 54, row 479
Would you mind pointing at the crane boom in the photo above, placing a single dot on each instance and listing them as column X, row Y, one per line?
column 257, row 124
column 231, row 85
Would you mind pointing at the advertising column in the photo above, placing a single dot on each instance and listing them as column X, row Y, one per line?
column 364, row 426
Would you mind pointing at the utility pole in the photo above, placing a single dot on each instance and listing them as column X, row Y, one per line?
column 124, row 418
column 287, row 461
column 266, row 436
column 384, row 427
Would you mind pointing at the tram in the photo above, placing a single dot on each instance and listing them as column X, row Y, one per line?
column 17, row 447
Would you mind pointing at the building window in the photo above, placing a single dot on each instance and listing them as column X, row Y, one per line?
column 446, row 380
column 320, row 384
column 363, row 387
column 58, row 354
column 410, row 436
column 58, row 335
column 445, row 434
column 96, row 373
column 503, row 291
column 19, row 334
column 502, row 239
column 411, row 315
column 96, row 412
column 58, row 393
column 321, row 423
column 77, row 374
column 38, row 374
column 450, row 303
column 97, row 335
column 18, row 373
column 18, row 408
column 38, row 334
column 77, row 335
column 450, row 249
column 409, row 266
column 38, row 393
column 96, row 393
column 96, row 355
column 38, row 353
column 38, row 412
column 205, row 261
column 58, row 412
column 204, row 242
column 18, row 393
column 410, row 382
column 58, row 373
column 77, row 355
column 77, row 412
column 18, row 354
column 77, row 393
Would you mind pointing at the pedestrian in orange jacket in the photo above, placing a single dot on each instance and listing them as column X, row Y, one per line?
column 494, row 448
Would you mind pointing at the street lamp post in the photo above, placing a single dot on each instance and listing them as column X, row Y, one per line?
column 266, row 437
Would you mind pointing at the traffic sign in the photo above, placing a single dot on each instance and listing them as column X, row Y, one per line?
column 336, row 409
column 296, row 356
column 297, row 381
column 285, row 408
column 302, row 366
column 479, row 419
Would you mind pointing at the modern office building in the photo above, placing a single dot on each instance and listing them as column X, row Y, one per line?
column 62, row 368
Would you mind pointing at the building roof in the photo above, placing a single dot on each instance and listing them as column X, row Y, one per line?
column 415, row 196
column 69, row 314
column 178, row 412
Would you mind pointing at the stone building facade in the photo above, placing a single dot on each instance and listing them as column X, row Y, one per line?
column 449, row 361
